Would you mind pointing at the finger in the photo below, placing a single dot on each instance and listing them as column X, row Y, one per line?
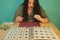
column 22, row 18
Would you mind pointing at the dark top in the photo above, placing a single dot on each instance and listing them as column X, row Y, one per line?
column 30, row 18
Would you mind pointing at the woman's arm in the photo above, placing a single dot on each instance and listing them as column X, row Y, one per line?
column 42, row 17
column 18, row 12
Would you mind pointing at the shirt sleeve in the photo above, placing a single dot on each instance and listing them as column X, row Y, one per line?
column 18, row 12
column 43, row 13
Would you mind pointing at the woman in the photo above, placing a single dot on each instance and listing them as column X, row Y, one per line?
column 30, row 11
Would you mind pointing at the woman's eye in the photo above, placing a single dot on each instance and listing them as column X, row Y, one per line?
column 29, row 2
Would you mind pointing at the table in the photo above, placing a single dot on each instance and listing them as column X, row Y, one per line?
column 4, row 32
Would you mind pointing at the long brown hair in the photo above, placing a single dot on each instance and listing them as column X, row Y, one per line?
column 36, row 9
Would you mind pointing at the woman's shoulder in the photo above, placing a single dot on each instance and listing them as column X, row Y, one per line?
column 20, row 6
column 42, row 9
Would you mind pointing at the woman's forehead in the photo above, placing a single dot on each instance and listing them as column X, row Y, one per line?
column 31, row 0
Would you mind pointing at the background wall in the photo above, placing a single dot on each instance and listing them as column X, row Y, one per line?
column 8, row 8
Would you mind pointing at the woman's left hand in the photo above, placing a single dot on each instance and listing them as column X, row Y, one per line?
column 38, row 17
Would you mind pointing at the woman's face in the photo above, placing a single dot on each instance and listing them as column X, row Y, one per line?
column 30, row 4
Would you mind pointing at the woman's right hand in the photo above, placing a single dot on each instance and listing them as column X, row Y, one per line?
column 19, row 19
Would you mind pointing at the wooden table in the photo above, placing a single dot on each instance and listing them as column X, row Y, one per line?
column 4, row 32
